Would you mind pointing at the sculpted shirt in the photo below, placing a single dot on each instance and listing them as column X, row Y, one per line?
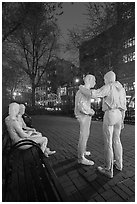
column 113, row 94
column 15, row 131
column 82, row 103
column 21, row 122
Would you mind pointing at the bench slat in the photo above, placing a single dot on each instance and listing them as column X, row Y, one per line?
column 12, row 187
column 38, row 186
column 31, row 191
column 32, row 178
column 59, row 189
column 22, row 186
column 45, row 178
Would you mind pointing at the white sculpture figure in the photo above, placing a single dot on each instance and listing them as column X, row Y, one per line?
column 114, row 106
column 17, row 133
column 83, row 113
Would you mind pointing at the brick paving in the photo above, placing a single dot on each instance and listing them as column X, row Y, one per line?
column 83, row 183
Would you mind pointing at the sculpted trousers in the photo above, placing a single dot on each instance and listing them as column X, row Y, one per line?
column 40, row 140
column 84, row 122
column 112, row 145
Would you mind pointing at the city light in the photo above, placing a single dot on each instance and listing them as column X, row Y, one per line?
column 29, row 87
column 77, row 80
column 14, row 94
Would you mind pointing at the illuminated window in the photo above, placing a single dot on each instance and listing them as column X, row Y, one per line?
column 129, row 57
column 133, row 41
column 128, row 87
column 63, row 91
column 125, row 59
column 125, row 86
column 129, row 43
column 133, row 55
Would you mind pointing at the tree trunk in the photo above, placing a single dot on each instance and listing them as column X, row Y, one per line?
column 33, row 95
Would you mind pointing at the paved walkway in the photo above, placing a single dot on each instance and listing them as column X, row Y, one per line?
column 84, row 183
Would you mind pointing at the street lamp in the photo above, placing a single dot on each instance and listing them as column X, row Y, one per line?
column 75, row 86
column 77, row 80
column 16, row 94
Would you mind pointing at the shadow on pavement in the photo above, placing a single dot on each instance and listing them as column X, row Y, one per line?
column 96, row 184
column 66, row 166
column 88, row 183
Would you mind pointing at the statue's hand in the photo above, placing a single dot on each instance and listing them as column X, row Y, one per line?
column 92, row 112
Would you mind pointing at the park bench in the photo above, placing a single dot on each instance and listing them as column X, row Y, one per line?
column 28, row 176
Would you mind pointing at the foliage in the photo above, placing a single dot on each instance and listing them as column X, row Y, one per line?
column 12, row 17
column 101, row 16
column 61, row 72
column 14, row 14
column 13, row 79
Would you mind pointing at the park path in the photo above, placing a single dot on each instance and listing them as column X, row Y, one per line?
column 83, row 183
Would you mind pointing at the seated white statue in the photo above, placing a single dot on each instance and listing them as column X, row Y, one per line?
column 17, row 133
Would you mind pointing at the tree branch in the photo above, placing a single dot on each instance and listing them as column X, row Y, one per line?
column 47, row 62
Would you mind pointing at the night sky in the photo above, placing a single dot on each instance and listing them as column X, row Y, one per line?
column 72, row 16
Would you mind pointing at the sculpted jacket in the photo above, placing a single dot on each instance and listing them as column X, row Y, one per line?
column 113, row 94
column 82, row 103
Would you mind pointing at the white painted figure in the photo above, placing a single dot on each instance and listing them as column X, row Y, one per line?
column 23, row 124
column 17, row 133
column 114, row 106
column 83, row 113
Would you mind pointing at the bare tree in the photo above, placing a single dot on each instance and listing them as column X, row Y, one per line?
column 33, row 46
column 61, row 72
column 13, row 79
column 14, row 14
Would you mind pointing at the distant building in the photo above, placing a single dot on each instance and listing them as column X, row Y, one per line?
column 56, row 81
column 41, row 95
column 67, row 94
